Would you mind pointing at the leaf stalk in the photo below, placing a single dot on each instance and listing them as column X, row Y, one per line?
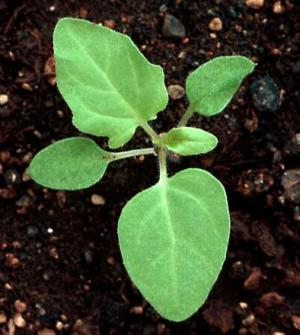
column 186, row 116
column 150, row 131
column 162, row 158
column 114, row 156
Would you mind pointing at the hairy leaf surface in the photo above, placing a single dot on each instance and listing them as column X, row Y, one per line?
column 109, row 85
column 188, row 141
column 211, row 87
column 70, row 164
column 173, row 238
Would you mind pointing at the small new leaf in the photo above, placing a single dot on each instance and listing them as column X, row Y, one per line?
column 108, row 84
column 173, row 239
column 188, row 141
column 211, row 87
column 70, row 164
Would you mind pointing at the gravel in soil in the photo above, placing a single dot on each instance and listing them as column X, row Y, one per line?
column 60, row 265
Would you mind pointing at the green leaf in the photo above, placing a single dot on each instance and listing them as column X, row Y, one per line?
column 188, row 141
column 173, row 238
column 109, row 85
column 70, row 164
column 211, row 87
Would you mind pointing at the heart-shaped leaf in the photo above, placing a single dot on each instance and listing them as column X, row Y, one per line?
column 109, row 85
column 173, row 238
column 211, row 87
column 70, row 164
column 188, row 141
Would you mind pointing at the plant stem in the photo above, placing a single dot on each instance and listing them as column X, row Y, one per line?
column 186, row 116
column 162, row 158
column 149, row 130
column 114, row 156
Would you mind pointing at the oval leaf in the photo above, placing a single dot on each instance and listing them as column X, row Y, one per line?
column 211, row 87
column 173, row 238
column 188, row 141
column 70, row 164
column 109, row 85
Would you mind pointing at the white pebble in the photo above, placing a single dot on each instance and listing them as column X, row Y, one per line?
column 215, row 24
column 176, row 92
column 97, row 200
column 19, row 321
column 3, row 99
column 255, row 4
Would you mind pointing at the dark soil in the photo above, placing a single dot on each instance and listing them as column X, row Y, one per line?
column 59, row 252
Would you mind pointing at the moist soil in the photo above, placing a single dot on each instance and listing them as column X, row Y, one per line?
column 59, row 252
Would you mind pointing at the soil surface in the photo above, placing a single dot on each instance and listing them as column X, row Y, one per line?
column 60, row 267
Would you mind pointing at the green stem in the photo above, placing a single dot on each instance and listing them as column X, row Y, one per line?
column 114, row 156
column 149, row 130
column 186, row 116
column 162, row 158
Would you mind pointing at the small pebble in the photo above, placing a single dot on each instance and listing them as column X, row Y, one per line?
column 272, row 299
column 248, row 321
column 254, row 4
column 8, row 287
column 297, row 213
column 111, row 260
column 290, row 181
column 5, row 156
column 16, row 244
column 232, row 12
column 53, row 253
column 276, row 52
column 60, row 113
column 265, row 94
column 3, row 318
column 7, row 193
column 49, row 70
column 110, row 24
column 24, row 201
column 3, row 99
column 19, row 321
column 12, row 261
column 26, row 86
column 97, row 200
column 88, row 256
column 26, row 177
column 20, row 306
column 243, row 305
column 12, row 177
column 296, row 321
column 138, row 310
column 163, row 9
column 176, row 92
column 27, row 157
column 215, row 24
column 172, row 27
column 278, row 8
column 253, row 280
column 59, row 325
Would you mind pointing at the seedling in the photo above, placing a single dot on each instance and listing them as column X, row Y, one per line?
column 173, row 236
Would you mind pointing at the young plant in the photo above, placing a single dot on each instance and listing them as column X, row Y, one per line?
column 173, row 236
